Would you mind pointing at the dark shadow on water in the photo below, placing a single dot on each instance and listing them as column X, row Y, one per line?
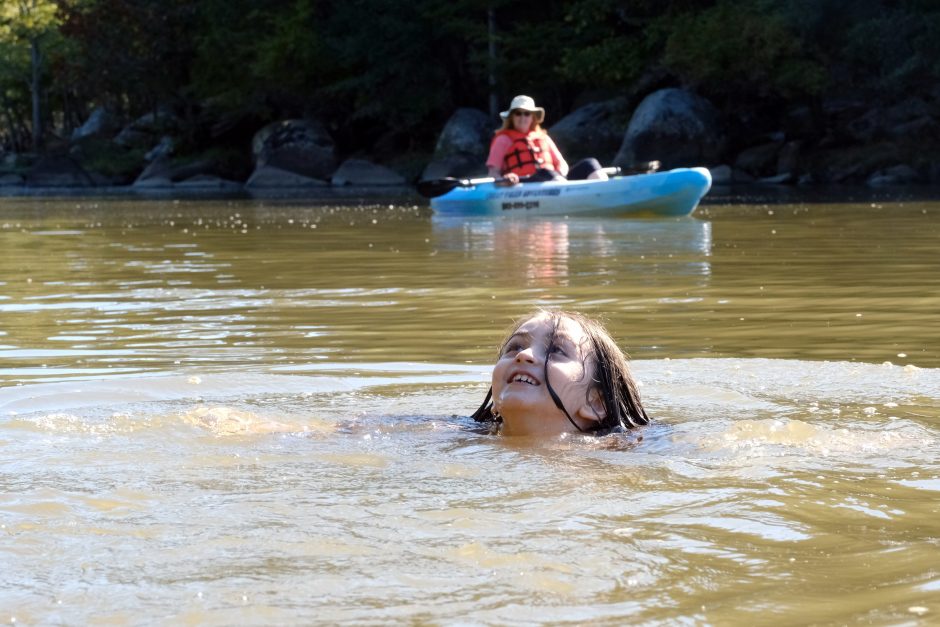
column 319, row 195
column 753, row 194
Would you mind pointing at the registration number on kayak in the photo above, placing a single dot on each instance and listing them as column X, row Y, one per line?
column 521, row 204
column 522, row 198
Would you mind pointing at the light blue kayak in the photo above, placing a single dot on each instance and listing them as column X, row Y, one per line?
column 670, row 193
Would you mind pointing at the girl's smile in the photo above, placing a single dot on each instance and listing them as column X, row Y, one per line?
column 523, row 378
column 546, row 353
column 561, row 372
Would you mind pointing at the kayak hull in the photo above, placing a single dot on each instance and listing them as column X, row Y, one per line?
column 670, row 193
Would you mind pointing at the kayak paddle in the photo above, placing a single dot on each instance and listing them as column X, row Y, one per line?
column 438, row 187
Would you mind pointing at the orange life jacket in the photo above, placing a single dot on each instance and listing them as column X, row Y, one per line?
column 528, row 152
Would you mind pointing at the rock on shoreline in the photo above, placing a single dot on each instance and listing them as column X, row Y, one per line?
column 839, row 142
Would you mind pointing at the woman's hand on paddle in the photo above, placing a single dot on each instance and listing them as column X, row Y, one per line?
column 511, row 178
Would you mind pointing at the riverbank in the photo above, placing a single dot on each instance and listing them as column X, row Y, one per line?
column 841, row 144
column 740, row 193
column 326, row 195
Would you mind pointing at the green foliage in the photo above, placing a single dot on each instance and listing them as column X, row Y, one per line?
column 130, row 53
column 743, row 45
column 291, row 55
column 109, row 159
column 878, row 47
column 259, row 56
column 617, row 61
column 391, row 68
column 14, row 64
column 24, row 20
column 610, row 45
column 895, row 50
column 373, row 70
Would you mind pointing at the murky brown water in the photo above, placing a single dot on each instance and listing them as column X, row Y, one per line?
column 253, row 412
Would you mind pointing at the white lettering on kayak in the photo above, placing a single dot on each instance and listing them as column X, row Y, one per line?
column 523, row 193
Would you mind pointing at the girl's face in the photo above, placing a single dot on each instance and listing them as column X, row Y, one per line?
column 520, row 391
column 522, row 120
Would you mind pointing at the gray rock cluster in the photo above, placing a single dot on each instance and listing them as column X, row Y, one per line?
column 847, row 142
column 841, row 141
column 594, row 130
column 673, row 126
column 462, row 146
column 289, row 154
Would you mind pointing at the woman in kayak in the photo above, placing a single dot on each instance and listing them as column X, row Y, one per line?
column 522, row 150
column 561, row 372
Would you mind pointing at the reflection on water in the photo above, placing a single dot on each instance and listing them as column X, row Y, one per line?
column 126, row 288
column 247, row 412
column 538, row 251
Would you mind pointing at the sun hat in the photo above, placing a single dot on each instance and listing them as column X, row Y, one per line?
column 524, row 103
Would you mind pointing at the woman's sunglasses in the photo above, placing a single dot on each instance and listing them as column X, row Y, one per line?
column 522, row 114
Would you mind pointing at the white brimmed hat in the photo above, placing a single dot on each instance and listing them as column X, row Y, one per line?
column 524, row 103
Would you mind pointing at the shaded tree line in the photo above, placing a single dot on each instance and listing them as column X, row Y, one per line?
column 384, row 75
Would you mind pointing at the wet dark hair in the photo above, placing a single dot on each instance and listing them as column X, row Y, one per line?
column 612, row 377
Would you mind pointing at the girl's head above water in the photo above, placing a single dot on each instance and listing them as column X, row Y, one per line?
column 560, row 372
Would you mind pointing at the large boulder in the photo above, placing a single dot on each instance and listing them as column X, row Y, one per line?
column 58, row 171
column 102, row 123
column 722, row 174
column 145, row 130
column 361, row 172
column 163, row 171
column 300, row 146
column 10, row 180
column 674, row 126
column 760, row 160
column 854, row 163
column 594, row 130
column 901, row 174
column 107, row 162
column 209, row 182
column 163, row 149
column 789, row 159
column 269, row 177
column 910, row 119
column 463, row 146
column 152, row 182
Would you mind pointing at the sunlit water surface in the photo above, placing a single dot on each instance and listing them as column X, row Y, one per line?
column 254, row 412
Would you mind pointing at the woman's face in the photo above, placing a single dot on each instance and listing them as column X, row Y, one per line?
column 520, row 391
column 522, row 120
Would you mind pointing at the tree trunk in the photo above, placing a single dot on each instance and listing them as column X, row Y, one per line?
column 12, row 125
column 66, row 112
column 491, row 31
column 35, row 88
